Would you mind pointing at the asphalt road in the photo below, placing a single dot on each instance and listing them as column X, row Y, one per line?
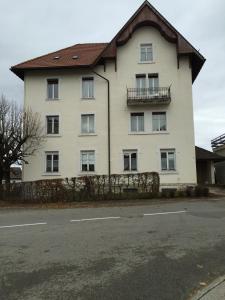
column 160, row 252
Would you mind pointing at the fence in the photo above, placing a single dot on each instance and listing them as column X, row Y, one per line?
column 97, row 187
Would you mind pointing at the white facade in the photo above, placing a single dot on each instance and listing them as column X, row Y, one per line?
column 70, row 141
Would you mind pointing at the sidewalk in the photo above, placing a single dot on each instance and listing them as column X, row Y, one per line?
column 215, row 291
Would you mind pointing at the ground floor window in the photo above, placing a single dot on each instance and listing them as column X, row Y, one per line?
column 87, row 161
column 168, row 162
column 52, row 162
column 130, row 160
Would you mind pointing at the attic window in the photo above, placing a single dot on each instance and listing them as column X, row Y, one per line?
column 75, row 57
column 56, row 57
column 146, row 54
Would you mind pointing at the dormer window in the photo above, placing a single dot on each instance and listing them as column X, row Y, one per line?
column 146, row 54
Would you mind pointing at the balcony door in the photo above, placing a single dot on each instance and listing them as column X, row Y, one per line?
column 153, row 84
column 141, row 84
column 147, row 86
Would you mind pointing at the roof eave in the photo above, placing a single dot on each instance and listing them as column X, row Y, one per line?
column 20, row 72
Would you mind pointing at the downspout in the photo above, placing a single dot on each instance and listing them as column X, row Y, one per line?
column 109, row 129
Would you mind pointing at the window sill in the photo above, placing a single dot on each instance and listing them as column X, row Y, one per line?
column 146, row 62
column 91, row 98
column 160, row 132
column 148, row 133
column 87, row 134
column 168, row 173
column 87, row 173
column 51, row 174
column 133, row 172
column 52, row 99
column 53, row 135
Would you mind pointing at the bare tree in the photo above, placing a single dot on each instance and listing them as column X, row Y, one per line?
column 21, row 134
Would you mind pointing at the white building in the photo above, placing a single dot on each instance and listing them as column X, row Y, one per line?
column 118, row 107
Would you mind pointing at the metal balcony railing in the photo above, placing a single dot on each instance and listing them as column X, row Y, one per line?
column 218, row 142
column 159, row 95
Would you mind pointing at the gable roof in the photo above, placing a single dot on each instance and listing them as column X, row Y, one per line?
column 91, row 54
column 203, row 154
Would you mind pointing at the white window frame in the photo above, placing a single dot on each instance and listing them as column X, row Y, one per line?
column 46, row 120
column 159, row 112
column 138, row 122
column 167, row 158
column 130, row 152
column 87, row 115
column 145, row 45
column 47, row 81
column 51, row 153
column 153, row 90
column 83, row 79
column 88, row 163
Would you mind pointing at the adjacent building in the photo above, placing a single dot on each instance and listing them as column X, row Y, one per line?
column 218, row 146
column 118, row 107
column 206, row 162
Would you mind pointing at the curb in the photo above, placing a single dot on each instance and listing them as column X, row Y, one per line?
column 203, row 292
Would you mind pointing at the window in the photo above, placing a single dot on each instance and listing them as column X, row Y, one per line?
column 130, row 160
column 87, row 161
column 146, row 54
column 137, row 122
column 88, row 123
column 52, row 124
column 168, row 160
column 52, row 162
column 53, row 88
column 153, row 83
column 141, row 84
column 159, row 121
column 88, row 87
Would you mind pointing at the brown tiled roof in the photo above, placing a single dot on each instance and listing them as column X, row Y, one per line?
column 91, row 54
column 203, row 154
column 79, row 55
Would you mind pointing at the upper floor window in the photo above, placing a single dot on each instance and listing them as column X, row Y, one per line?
column 130, row 160
column 159, row 121
column 88, row 161
column 141, row 84
column 146, row 54
column 52, row 124
column 88, row 123
column 153, row 82
column 87, row 87
column 168, row 160
column 52, row 162
column 52, row 88
column 137, row 122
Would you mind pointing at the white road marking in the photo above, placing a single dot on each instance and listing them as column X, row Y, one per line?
column 94, row 219
column 22, row 225
column 167, row 213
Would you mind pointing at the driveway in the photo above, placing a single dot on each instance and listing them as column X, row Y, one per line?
column 163, row 251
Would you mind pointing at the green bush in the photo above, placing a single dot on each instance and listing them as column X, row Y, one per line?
column 180, row 193
column 201, row 191
column 205, row 191
column 189, row 191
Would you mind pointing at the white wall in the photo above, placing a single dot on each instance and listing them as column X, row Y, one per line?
column 180, row 133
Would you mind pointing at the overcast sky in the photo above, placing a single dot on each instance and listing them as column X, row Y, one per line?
column 29, row 28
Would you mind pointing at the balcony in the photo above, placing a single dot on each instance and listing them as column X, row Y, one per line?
column 148, row 96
